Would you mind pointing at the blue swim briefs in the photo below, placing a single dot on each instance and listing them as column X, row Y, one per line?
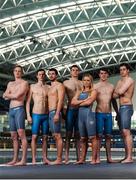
column 40, row 121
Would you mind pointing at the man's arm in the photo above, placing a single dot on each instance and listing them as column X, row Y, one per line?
column 67, row 93
column 115, row 92
column 120, row 90
column 64, row 108
column 115, row 95
column 28, row 101
column 23, row 89
column 61, row 94
column 7, row 91
column 115, row 106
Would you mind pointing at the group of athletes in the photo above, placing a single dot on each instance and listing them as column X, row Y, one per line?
column 87, row 126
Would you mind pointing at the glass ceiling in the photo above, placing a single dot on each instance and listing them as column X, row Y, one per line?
column 58, row 33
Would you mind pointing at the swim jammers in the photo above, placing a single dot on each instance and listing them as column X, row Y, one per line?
column 126, row 112
column 55, row 127
column 72, row 119
column 16, row 118
column 87, row 122
column 40, row 121
column 103, row 123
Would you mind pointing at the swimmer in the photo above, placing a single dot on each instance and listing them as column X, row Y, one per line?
column 40, row 119
column 103, row 113
column 87, row 123
column 124, row 90
column 72, row 86
column 55, row 100
column 16, row 92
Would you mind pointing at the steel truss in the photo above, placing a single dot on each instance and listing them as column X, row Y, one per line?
column 43, row 34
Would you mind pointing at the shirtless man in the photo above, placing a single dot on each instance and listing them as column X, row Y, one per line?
column 124, row 91
column 103, row 113
column 39, row 93
column 55, row 101
column 71, row 86
column 16, row 92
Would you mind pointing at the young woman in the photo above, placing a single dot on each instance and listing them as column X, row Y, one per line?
column 86, row 118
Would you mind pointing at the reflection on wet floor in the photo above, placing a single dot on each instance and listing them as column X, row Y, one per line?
column 6, row 155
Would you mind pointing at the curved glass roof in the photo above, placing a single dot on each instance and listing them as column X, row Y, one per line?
column 58, row 33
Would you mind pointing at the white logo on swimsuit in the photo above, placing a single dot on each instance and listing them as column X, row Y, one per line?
column 91, row 122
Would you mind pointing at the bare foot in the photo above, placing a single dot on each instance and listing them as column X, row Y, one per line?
column 127, row 161
column 57, row 162
column 93, row 162
column 66, row 162
column 97, row 161
column 11, row 163
column 20, row 163
column 112, row 161
column 122, row 160
column 33, row 162
column 80, row 162
column 46, row 161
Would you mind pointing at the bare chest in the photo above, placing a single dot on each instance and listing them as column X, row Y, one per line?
column 70, row 86
column 15, row 87
column 52, row 92
column 105, row 91
column 121, row 83
column 40, row 91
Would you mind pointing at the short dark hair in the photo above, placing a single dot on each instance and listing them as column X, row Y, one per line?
column 74, row 66
column 55, row 70
column 18, row 66
column 40, row 70
column 104, row 69
column 125, row 64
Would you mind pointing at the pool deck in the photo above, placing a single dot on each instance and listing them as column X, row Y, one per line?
column 103, row 170
column 70, row 171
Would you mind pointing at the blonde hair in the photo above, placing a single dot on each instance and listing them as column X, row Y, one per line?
column 91, row 78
